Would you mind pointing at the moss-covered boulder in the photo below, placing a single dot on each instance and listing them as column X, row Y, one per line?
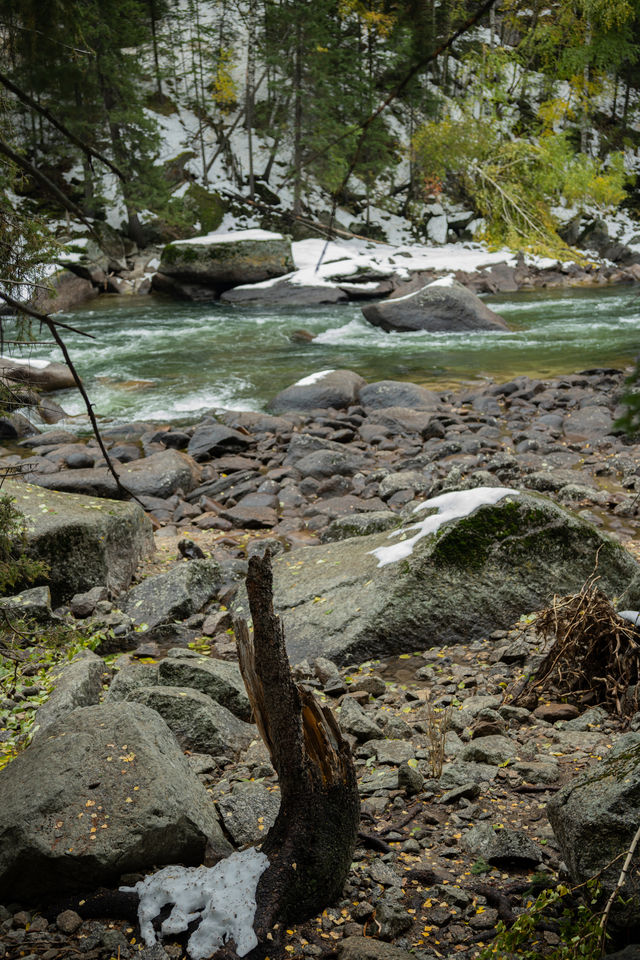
column 469, row 563
column 220, row 261
column 86, row 541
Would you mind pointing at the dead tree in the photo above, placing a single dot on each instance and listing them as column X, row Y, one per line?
column 311, row 844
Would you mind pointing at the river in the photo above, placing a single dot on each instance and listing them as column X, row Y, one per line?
column 155, row 359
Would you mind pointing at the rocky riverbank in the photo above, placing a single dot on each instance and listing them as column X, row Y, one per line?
column 337, row 463
column 259, row 267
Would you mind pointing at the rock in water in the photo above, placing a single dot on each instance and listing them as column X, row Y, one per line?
column 106, row 791
column 226, row 260
column 441, row 305
column 86, row 542
column 326, row 388
column 469, row 563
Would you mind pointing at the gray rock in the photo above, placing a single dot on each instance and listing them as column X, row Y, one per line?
column 86, row 542
column 502, row 846
column 83, row 604
column 34, row 603
column 249, row 812
column 333, row 388
column 219, row 679
column 222, row 264
column 284, row 293
column 594, row 819
column 462, row 772
column 329, row 463
column 475, row 575
column 409, row 779
column 197, row 721
column 356, row 721
column 366, row 948
column 493, row 750
column 55, row 376
column 214, row 440
column 397, row 393
column 174, row 595
column 158, row 475
column 130, row 676
column 117, row 761
column 391, row 915
column 438, row 306
column 392, row 751
column 78, row 684
column 588, row 423
column 404, row 480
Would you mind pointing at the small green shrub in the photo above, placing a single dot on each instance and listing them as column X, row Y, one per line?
column 16, row 568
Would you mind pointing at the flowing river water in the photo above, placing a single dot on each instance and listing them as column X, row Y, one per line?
column 155, row 359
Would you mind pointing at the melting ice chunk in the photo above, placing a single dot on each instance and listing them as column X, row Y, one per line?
column 448, row 506
column 224, row 897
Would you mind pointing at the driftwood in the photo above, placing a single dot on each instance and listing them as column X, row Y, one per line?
column 311, row 844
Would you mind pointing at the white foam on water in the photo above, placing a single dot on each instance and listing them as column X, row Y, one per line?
column 222, row 897
column 448, row 506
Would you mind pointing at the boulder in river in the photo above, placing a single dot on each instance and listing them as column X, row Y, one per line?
column 37, row 373
column 106, row 791
column 326, row 388
column 468, row 563
column 443, row 305
column 86, row 542
column 286, row 294
column 225, row 260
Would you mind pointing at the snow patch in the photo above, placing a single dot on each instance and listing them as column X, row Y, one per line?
column 448, row 506
column 312, row 378
column 448, row 281
column 222, row 897
column 230, row 237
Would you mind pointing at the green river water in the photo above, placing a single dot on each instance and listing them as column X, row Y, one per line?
column 155, row 359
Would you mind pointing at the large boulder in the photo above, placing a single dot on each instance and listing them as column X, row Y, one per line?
column 226, row 260
column 174, row 594
column 159, row 475
column 397, row 393
column 108, row 791
column 595, row 818
column 86, row 542
column 219, row 679
column 327, row 388
column 77, row 684
column 441, row 305
column 198, row 722
column 468, row 563
column 38, row 373
column 285, row 293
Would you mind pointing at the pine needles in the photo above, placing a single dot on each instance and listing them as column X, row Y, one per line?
column 595, row 655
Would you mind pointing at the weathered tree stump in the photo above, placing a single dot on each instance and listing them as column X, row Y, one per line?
column 311, row 844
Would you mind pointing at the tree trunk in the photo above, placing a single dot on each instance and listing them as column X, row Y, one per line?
column 297, row 119
column 311, row 844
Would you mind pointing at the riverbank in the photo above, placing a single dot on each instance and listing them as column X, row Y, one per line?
column 339, row 457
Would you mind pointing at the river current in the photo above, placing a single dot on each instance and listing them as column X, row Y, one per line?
column 161, row 360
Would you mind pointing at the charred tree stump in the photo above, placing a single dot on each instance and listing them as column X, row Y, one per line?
column 311, row 844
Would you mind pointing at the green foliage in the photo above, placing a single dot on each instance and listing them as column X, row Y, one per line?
column 16, row 568
column 30, row 674
column 578, row 923
column 630, row 419
column 513, row 184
